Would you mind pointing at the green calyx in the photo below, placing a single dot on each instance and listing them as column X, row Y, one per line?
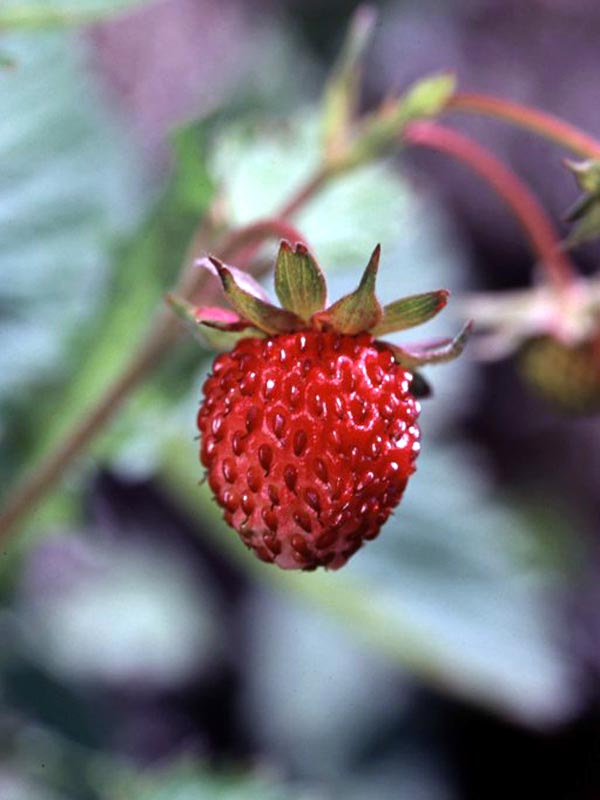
column 358, row 311
column 301, row 289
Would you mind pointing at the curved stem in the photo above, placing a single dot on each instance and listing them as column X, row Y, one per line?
column 533, row 219
column 531, row 119
column 307, row 192
column 245, row 242
column 163, row 334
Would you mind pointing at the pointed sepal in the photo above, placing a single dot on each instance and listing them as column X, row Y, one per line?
column 262, row 315
column 359, row 311
column 434, row 353
column 242, row 278
column 222, row 319
column 299, row 281
column 411, row 311
column 217, row 328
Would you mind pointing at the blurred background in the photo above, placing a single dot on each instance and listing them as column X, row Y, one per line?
column 144, row 654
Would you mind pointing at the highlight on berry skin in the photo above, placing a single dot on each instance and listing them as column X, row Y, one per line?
column 309, row 420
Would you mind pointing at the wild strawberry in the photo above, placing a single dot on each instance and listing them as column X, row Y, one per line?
column 308, row 439
column 566, row 375
column 309, row 424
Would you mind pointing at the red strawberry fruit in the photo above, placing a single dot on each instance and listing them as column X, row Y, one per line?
column 309, row 424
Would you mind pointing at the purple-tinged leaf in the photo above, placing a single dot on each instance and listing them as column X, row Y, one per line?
column 359, row 311
column 262, row 315
column 408, row 312
column 299, row 282
column 242, row 278
column 219, row 328
column 222, row 318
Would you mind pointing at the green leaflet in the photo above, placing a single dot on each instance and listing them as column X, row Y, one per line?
column 299, row 282
column 409, row 312
column 60, row 13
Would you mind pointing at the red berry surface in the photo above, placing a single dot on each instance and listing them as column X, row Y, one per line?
column 308, row 440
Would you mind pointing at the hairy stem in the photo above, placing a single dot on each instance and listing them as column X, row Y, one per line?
column 531, row 119
column 533, row 219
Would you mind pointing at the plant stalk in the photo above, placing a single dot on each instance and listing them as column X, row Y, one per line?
column 532, row 119
column 533, row 219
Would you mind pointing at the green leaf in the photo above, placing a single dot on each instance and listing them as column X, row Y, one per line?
column 17, row 14
column 262, row 315
column 360, row 310
column 80, row 203
column 185, row 780
column 409, row 312
column 299, row 282
column 437, row 353
column 74, row 192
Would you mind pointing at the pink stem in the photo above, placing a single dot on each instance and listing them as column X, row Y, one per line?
column 533, row 219
column 244, row 243
column 546, row 125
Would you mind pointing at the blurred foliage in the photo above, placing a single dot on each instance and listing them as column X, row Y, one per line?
column 74, row 191
column 464, row 560
column 456, row 590
column 44, row 14
column 188, row 782
column 179, row 780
